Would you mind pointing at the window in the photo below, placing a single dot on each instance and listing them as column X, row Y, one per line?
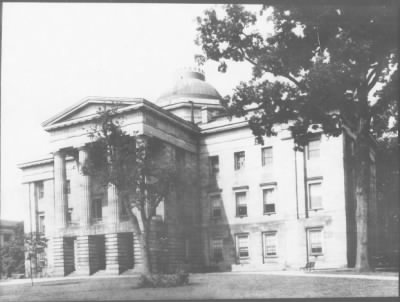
column 41, row 223
column 315, row 241
column 40, row 190
column 216, row 249
column 180, row 157
column 97, row 209
column 266, row 156
column 313, row 149
column 69, row 215
column 123, row 214
column 214, row 165
column 315, row 195
column 270, row 244
column 239, row 160
column 242, row 242
column 269, row 200
column 187, row 249
column 216, row 206
column 7, row 237
column 241, row 204
column 68, row 187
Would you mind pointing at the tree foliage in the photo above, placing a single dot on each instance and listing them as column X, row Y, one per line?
column 327, row 59
column 12, row 254
column 334, row 67
column 138, row 166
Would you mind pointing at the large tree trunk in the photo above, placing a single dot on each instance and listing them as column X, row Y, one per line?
column 362, row 196
column 141, row 235
column 145, row 253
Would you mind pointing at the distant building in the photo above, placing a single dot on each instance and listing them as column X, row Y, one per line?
column 11, row 232
column 252, row 206
column 8, row 229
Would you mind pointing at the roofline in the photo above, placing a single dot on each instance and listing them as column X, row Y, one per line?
column 139, row 103
column 39, row 162
column 90, row 99
column 189, row 105
column 189, row 95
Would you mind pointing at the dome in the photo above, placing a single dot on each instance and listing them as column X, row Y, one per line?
column 191, row 83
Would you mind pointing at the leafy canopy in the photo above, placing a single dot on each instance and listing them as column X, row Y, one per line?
column 326, row 61
column 135, row 164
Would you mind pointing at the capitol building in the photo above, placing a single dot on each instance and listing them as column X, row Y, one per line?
column 250, row 207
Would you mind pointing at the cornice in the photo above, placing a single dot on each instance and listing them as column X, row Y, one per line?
column 138, row 105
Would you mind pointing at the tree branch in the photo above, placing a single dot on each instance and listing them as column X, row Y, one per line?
column 288, row 75
column 153, row 208
column 373, row 82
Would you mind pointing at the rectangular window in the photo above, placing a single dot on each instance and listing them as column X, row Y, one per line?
column 69, row 215
column 239, row 160
column 39, row 189
column 242, row 242
column 216, row 206
column 270, row 243
column 266, row 156
column 214, row 165
column 216, row 249
column 241, row 204
column 97, row 209
column 68, row 186
column 315, row 242
column 7, row 237
column 269, row 200
column 41, row 223
column 315, row 195
column 123, row 214
column 180, row 157
column 313, row 149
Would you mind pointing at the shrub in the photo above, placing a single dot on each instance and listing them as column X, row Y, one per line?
column 164, row 280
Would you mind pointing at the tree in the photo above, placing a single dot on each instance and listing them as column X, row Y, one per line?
column 328, row 62
column 12, row 254
column 35, row 244
column 140, row 169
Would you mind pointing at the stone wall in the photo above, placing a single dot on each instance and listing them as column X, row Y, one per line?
column 288, row 174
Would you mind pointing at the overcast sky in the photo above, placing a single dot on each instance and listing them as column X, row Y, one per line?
column 54, row 55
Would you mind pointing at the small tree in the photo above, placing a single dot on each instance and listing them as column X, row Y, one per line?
column 12, row 254
column 327, row 62
column 35, row 244
column 140, row 169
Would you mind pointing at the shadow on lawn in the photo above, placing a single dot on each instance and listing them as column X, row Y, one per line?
column 60, row 283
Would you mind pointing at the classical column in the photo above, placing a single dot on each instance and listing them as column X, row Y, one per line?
column 60, row 197
column 82, row 255
column 83, row 194
column 113, row 205
column 58, row 257
column 112, row 245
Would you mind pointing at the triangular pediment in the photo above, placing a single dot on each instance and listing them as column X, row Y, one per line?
column 88, row 108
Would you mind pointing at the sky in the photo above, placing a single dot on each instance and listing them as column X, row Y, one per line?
column 55, row 54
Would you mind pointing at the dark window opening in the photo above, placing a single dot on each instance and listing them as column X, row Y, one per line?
column 239, row 160
column 214, row 165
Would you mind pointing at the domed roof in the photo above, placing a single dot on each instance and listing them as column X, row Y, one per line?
column 191, row 83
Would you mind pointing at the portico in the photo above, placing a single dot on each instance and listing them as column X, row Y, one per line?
column 85, row 225
column 92, row 244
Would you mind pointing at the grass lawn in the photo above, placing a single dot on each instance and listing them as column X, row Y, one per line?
column 202, row 286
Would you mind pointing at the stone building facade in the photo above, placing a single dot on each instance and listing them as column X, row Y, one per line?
column 249, row 206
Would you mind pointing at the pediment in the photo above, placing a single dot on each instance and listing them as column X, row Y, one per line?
column 88, row 108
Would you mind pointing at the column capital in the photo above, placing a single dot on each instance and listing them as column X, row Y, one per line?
column 59, row 152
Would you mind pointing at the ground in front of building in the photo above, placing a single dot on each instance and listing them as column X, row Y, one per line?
column 206, row 286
